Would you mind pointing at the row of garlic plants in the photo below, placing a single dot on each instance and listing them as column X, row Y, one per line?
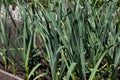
column 80, row 39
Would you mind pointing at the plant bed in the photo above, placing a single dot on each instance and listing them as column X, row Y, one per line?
column 20, row 73
column 81, row 41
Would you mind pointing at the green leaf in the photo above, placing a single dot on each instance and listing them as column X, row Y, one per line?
column 40, row 75
column 33, row 70
column 70, row 69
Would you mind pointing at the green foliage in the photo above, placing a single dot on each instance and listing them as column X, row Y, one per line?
column 80, row 38
column 82, row 30
column 3, row 1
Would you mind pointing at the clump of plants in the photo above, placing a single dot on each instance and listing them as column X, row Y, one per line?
column 69, row 39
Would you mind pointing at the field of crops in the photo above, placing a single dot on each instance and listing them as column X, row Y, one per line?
column 61, row 39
